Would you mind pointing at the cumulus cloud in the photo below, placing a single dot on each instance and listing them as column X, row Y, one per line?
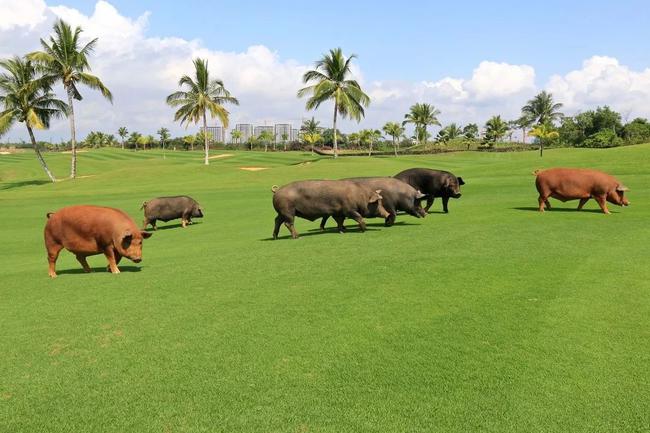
column 603, row 81
column 142, row 69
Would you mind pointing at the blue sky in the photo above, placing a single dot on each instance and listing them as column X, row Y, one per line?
column 412, row 40
column 471, row 60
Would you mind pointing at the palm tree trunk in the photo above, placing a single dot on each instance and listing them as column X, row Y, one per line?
column 205, row 139
column 395, row 145
column 122, row 143
column 370, row 149
column 541, row 147
column 73, row 135
column 523, row 131
column 39, row 156
column 336, row 109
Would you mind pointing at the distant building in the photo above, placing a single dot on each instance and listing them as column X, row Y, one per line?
column 215, row 134
column 258, row 130
column 280, row 130
column 246, row 130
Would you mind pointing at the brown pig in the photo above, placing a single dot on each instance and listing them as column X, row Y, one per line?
column 90, row 230
column 566, row 184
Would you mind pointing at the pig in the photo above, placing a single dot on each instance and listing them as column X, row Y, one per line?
column 566, row 184
column 90, row 230
column 396, row 196
column 313, row 199
column 433, row 183
column 171, row 208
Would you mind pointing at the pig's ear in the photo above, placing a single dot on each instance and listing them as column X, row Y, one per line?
column 127, row 237
column 460, row 181
column 375, row 197
column 145, row 235
column 418, row 194
column 622, row 188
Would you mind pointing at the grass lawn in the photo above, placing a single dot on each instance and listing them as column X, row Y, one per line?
column 492, row 318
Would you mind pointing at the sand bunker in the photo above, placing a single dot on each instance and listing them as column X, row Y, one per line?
column 253, row 168
column 5, row 153
column 78, row 151
column 223, row 155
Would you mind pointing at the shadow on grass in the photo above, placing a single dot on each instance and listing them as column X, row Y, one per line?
column 98, row 270
column 559, row 209
column 328, row 231
column 12, row 185
column 171, row 226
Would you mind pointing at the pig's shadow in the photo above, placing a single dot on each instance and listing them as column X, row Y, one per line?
column 99, row 270
column 560, row 209
column 171, row 226
column 352, row 230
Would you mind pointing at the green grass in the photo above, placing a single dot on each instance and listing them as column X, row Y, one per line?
column 493, row 318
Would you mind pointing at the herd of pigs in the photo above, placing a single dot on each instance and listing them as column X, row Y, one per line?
column 89, row 230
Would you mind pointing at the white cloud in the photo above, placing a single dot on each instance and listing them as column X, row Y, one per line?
column 23, row 13
column 603, row 81
column 141, row 70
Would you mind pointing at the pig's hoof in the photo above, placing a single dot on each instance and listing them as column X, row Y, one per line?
column 53, row 276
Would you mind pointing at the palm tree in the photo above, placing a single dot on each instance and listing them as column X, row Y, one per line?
column 134, row 138
column 123, row 132
column 495, row 129
column 190, row 140
column 395, row 130
column 470, row 132
column 422, row 115
column 65, row 59
column 543, row 132
column 332, row 83
column 26, row 96
column 311, row 126
column 524, row 122
column 311, row 138
column 163, row 133
column 285, row 137
column 354, row 139
column 144, row 140
column 369, row 136
column 541, row 109
column 236, row 135
column 203, row 95
column 266, row 137
column 449, row 132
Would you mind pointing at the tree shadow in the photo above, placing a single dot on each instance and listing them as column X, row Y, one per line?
column 559, row 209
column 19, row 184
column 171, row 226
column 101, row 269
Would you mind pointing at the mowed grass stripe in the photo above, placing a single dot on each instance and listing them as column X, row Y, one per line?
column 490, row 318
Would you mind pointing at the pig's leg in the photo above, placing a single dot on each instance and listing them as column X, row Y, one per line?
column 183, row 222
column 339, row 222
column 542, row 200
column 429, row 203
column 53, row 251
column 322, row 223
column 358, row 218
column 145, row 223
column 153, row 224
column 445, row 200
column 278, row 222
column 292, row 229
column 547, row 204
column 602, row 202
column 110, row 256
column 84, row 262
column 582, row 202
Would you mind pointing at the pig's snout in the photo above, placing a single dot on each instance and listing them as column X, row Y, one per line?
column 457, row 195
column 136, row 259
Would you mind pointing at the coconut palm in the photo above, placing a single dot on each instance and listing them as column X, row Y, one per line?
column 284, row 137
column 495, row 129
column 66, row 60
column 523, row 123
column 369, row 136
column 122, row 132
column 26, row 97
column 449, row 132
column 543, row 132
column 354, row 139
column 133, row 139
column 395, row 130
column 311, row 138
column 542, row 110
column 163, row 133
column 266, row 137
column 144, row 140
column 422, row 115
column 203, row 95
column 311, row 126
column 236, row 135
column 332, row 83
